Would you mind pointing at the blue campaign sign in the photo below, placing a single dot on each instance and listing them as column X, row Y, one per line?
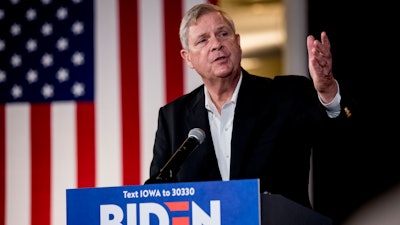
column 235, row 202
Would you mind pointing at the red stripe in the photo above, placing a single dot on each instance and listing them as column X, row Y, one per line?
column 85, row 136
column 178, row 206
column 2, row 164
column 173, row 63
column 41, row 164
column 129, row 50
column 181, row 220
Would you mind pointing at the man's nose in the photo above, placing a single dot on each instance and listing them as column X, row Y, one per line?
column 216, row 44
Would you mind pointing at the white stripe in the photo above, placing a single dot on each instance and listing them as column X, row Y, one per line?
column 152, row 91
column 192, row 79
column 63, row 158
column 107, row 95
column 18, row 164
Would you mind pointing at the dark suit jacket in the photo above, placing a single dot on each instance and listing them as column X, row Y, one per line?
column 276, row 124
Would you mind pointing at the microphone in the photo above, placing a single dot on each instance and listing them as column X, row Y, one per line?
column 167, row 173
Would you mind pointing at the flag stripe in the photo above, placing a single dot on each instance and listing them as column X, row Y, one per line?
column 107, row 94
column 63, row 157
column 173, row 65
column 2, row 164
column 40, row 158
column 152, row 75
column 18, row 164
column 85, row 144
column 130, row 92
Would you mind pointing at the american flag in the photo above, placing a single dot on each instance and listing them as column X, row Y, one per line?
column 81, row 82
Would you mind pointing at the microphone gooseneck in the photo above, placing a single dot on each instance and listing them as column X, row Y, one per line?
column 168, row 172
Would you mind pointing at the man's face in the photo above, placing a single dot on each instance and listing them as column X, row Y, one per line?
column 213, row 48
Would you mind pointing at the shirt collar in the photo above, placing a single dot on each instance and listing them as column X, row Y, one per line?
column 209, row 103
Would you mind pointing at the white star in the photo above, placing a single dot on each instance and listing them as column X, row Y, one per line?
column 31, row 45
column 47, row 29
column 47, row 91
column 16, row 91
column 16, row 60
column 77, row 28
column 62, row 75
column 14, row 2
column 62, row 44
column 15, row 29
column 78, row 89
column 62, row 13
column 31, row 14
column 31, row 76
column 46, row 2
column 78, row 58
column 3, row 76
column 47, row 60
column 1, row 14
column 76, row 1
column 2, row 45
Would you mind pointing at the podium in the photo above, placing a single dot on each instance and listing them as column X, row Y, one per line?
column 236, row 202
column 278, row 210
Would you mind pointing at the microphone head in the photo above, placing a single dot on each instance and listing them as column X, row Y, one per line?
column 197, row 133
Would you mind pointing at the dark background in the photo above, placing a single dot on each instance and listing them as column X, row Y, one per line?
column 365, row 61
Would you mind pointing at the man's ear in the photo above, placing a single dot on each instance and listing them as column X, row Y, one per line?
column 186, row 56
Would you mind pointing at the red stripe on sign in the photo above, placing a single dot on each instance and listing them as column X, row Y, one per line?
column 85, row 136
column 41, row 163
column 180, row 220
column 2, row 164
column 174, row 79
column 129, row 56
column 177, row 206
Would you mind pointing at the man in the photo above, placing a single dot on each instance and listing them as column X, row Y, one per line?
column 255, row 127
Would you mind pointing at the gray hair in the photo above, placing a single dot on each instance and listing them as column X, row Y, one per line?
column 194, row 13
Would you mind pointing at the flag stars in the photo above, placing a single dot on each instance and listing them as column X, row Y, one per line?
column 15, row 29
column 31, row 45
column 78, row 58
column 31, row 14
column 16, row 60
column 47, row 29
column 3, row 76
column 16, row 91
column 40, row 59
column 78, row 89
column 62, row 75
column 62, row 44
column 47, row 60
column 48, row 91
column 32, row 76
column 62, row 13
column 77, row 28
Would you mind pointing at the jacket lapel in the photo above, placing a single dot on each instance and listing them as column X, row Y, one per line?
column 197, row 116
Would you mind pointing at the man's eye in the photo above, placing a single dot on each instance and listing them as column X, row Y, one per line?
column 224, row 34
column 201, row 41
